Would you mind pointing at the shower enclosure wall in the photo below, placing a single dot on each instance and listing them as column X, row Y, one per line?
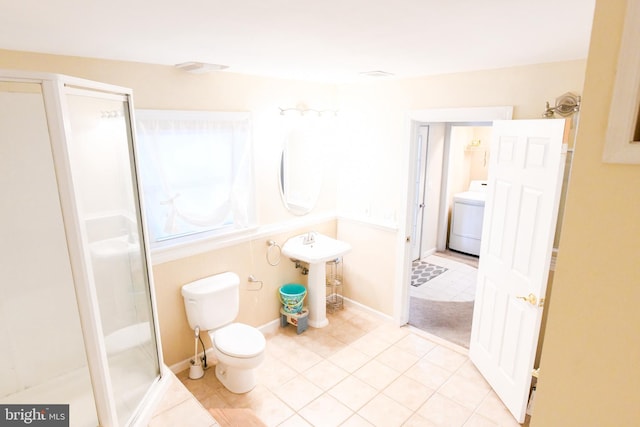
column 77, row 310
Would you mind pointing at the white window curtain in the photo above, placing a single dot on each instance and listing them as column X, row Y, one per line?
column 196, row 170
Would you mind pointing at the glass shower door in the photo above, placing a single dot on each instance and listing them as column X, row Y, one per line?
column 104, row 181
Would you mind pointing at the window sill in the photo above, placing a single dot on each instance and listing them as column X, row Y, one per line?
column 176, row 251
column 171, row 251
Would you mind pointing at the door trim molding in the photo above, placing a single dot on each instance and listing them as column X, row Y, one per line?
column 468, row 114
column 414, row 118
column 621, row 144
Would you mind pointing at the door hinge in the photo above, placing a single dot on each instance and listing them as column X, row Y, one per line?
column 535, row 373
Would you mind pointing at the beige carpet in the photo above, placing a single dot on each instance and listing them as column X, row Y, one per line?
column 448, row 320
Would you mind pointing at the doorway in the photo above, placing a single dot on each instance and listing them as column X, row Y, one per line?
column 449, row 156
column 415, row 119
column 535, row 149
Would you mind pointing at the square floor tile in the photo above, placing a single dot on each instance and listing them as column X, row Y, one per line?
column 396, row 358
column 371, row 344
column 350, row 359
column 325, row 374
column 356, row 421
column 298, row 392
column 493, row 409
column 408, row 392
column 325, row 411
column 271, row 409
column 446, row 358
column 353, row 392
column 294, row 421
column 443, row 411
column 415, row 345
column 428, row 374
column 382, row 411
column 376, row 374
column 464, row 391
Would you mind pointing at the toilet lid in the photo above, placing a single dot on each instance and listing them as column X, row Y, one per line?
column 239, row 340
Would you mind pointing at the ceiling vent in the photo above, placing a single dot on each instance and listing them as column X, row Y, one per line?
column 200, row 67
column 376, row 73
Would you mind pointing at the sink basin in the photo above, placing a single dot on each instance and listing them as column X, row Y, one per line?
column 323, row 249
column 316, row 254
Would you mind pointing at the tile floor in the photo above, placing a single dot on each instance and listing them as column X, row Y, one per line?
column 458, row 283
column 179, row 407
column 361, row 371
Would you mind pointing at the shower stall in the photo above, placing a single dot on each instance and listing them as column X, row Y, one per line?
column 77, row 309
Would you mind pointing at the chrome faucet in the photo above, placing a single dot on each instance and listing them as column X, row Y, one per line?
column 309, row 238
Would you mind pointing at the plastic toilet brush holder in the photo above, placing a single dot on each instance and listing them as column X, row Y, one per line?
column 196, row 372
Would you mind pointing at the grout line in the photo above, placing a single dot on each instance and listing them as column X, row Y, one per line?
column 411, row 331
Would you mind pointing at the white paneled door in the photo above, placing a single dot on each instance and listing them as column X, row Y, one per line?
column 525, row 181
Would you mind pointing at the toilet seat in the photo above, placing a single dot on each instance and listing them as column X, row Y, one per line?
column 239, row 340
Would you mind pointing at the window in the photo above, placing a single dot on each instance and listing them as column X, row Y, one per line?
column 196, row 172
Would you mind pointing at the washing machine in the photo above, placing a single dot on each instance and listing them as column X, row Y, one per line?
column 467, row 215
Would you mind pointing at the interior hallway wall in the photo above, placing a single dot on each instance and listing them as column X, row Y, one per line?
column 478, row 156
column 589, row 372
column 373, row 181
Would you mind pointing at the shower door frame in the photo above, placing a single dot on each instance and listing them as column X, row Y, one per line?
column 55, row 87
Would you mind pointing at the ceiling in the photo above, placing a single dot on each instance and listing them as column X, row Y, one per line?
column 327, row 40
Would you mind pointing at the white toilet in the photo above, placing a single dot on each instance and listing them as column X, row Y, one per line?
column 212, row 304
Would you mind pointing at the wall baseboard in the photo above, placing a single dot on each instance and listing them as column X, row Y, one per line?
column 429, row 253
column 351, row 303
column 185, row 364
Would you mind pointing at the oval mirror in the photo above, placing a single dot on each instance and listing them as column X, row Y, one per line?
column 301, row 170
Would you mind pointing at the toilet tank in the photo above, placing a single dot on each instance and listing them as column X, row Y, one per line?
column 213, row 301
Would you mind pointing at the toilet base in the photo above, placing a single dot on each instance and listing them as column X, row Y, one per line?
column 236, row 380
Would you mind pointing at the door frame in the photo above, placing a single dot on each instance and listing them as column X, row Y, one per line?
column 415, row 119
column 420, row 178
column 420, row 188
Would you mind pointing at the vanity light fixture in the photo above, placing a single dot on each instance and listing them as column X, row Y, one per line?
column 200, row 67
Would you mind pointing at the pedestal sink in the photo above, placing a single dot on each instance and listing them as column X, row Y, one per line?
column 315, row 249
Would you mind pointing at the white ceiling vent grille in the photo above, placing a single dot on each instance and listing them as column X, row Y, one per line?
column 200, row 67
column 376, row 73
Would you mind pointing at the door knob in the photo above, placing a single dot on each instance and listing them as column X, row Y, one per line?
column 531, row 299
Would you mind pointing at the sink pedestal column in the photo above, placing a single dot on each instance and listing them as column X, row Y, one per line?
column 316, row 300
column 315, row 252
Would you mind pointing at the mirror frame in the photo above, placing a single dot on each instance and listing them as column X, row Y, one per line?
column 293, row 208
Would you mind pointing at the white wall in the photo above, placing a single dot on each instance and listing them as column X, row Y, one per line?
column 479, row 156
column 373, row 181
column 39, row 323
column 589, row 370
